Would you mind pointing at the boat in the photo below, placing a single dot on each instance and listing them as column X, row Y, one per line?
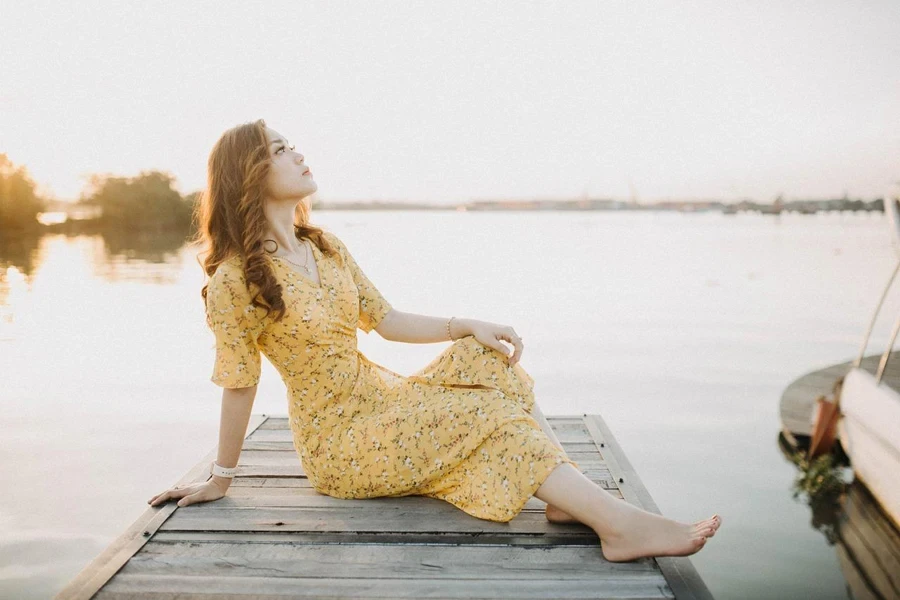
column 869, row 423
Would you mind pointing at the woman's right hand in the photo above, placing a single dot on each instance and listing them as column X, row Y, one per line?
column 205, row 491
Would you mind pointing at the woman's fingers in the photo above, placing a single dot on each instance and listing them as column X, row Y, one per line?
column 167, row 495
column 518, row 347
column 190, row 499
column 189, row 494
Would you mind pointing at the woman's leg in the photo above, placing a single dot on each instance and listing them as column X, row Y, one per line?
column 626, row 532
column 553, row 513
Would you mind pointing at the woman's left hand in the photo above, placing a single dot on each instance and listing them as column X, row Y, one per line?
column 490, row 335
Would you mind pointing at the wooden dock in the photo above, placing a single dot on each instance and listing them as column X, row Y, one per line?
column 799, row 398
column 273, row 535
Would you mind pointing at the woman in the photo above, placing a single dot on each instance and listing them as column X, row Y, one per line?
column 461, row 429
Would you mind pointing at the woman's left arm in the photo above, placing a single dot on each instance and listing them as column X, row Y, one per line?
column 411, row 328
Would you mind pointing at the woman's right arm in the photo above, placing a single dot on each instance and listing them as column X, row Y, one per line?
column 237, row 404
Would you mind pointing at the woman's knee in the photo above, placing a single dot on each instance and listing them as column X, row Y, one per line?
column 467, row 342
column 470, row 345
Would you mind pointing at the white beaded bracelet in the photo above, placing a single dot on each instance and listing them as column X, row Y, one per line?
column 220, row 471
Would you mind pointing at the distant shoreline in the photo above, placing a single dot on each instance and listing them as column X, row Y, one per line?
column 80, row 211
column 587, row 204
column 75, row 218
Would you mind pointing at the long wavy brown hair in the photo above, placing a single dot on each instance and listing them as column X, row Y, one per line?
column 230, row 217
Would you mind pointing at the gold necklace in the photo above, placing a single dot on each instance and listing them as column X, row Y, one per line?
column 305, row 260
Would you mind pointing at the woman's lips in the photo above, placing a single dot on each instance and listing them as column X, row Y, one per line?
column 308, row 172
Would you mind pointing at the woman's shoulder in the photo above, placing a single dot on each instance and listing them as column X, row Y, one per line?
column 229, row 278
column 336, row 243
column 229, row 268
column 332, row 238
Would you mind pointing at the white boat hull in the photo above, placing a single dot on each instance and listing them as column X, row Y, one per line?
column 869, row 430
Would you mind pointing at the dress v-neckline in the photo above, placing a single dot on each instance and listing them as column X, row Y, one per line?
column 296, row 272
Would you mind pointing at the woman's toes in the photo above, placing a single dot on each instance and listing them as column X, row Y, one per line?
column 713, row 522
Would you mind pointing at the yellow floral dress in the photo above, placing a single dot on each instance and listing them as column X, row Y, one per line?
column 459, row 429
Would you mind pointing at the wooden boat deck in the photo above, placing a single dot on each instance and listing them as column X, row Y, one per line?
column 799, row 398
column 273, row 535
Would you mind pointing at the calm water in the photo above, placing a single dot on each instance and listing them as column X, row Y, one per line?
column 681, row 330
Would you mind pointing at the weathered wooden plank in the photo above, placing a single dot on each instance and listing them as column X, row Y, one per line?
column 679, row 572
column 253, row 486
column 237, row 587
column 361, row 561
column 104, row 566
column 428, row 514
column 309, row 498
column 272, row 435
column 563, row 535
column 569, row 428
column 259, row 445
column 274, row 422
column 287, row 470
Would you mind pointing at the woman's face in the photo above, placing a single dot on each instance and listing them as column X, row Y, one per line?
column 289, row 177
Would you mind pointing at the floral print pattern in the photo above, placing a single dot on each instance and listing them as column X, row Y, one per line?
column 459, row 429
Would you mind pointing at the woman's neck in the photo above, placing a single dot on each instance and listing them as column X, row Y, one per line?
column 281, row 229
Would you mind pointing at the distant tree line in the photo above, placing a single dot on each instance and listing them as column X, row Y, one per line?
column 19, row 202
column 148, row 200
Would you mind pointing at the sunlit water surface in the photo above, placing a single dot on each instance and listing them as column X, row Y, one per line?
column 681, row 330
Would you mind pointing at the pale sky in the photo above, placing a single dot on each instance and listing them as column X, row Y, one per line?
column 452, row 101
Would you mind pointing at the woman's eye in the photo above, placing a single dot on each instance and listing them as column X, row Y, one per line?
column 281, row 148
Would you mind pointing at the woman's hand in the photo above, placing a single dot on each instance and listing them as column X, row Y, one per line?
column 189, row 494
column 490, row 335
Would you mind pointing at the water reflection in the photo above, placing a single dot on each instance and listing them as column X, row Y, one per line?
column 149, row 246
column 821, row 482
column 140, row 255
column 869, row 548
column 19, row 251
column 866, row 541
column 114, row 255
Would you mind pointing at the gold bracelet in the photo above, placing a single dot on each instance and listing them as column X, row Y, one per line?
column 450, row 337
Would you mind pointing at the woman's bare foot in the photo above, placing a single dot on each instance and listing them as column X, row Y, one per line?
column 641, row 534
column 558, row 515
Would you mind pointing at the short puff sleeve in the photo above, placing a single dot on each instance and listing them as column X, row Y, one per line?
column 372, row 305
column 237, row 325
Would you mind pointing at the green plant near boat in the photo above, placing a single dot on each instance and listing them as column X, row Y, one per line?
column 819, row 477
column 821, row 482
